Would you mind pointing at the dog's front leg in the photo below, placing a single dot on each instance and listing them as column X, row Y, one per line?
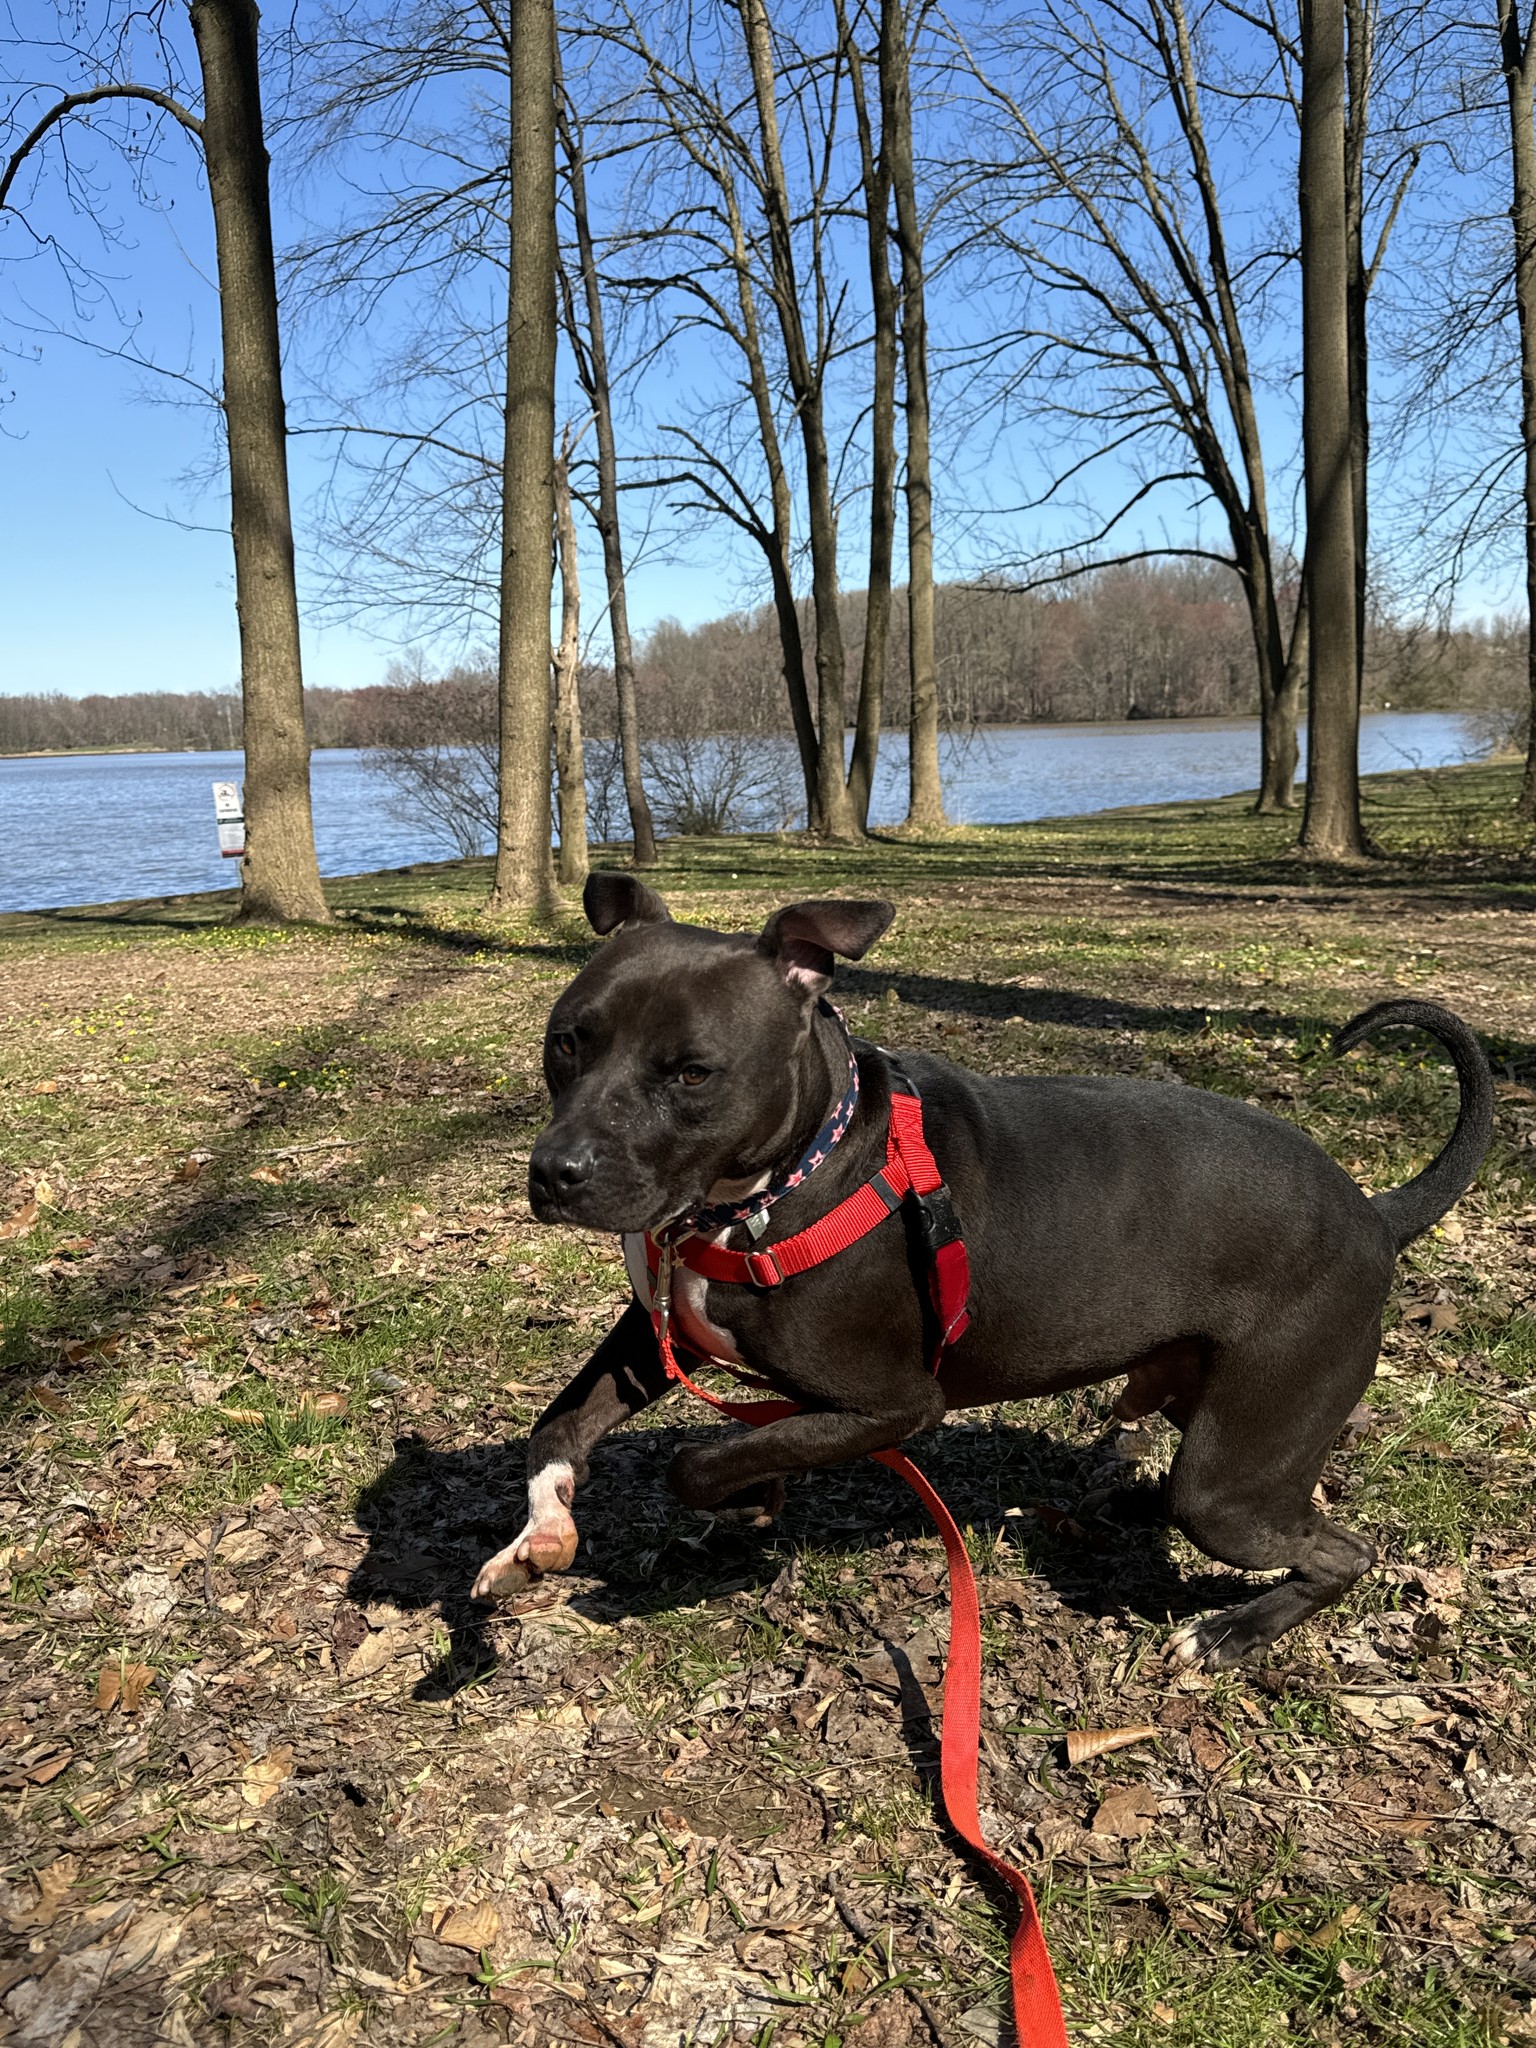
column 705, row 1474
column 622, row 1376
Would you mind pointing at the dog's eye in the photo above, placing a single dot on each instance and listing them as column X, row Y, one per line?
column 564, row 1043
column 693, row 1074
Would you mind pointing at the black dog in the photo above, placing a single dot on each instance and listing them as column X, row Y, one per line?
column 1213, row 1254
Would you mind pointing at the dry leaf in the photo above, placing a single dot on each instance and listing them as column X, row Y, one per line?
column 107, row 1688
column 323, row 1404
column 1433, row 1316
column 47, row 1398
column 243, row 1546
column 53, row 1887
column 1127, row 1812
column 1388, row 1712
column 251, row 1417
column 472, row 1927
column 46, row 1088
column 45, row 1772
column 1207, row 1747
column 189, row 1169
column 375, row 1651
column 21, row 1222
column 264, row 1777
column 137, row 1679
column 42, row 1192
column 1085, row 1743
column 265, row 1173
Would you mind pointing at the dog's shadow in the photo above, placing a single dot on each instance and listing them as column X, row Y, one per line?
column 433, row 1516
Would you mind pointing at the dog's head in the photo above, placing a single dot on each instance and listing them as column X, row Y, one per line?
column 674, row 1056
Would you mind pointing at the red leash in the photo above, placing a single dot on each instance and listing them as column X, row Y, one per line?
column 910, row 1168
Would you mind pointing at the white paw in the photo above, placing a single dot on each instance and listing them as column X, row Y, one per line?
column 1187, row 1645
column 547, row 1542
column 548, row 1545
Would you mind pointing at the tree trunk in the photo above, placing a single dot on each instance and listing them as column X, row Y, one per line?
column 524, row 872
column 642, row 826
column 1359, row 32
column 925, row 789
column 280, row 875
column 778, row 545
column 1518, row 55
column 805, row 380
column 1279, row 684
column 876, row 175
column 1331, row 827
column 570, row 757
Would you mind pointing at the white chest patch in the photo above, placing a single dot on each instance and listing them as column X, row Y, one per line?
column 688, row 1292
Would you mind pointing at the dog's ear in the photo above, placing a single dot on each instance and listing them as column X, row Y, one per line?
column 801, row 939
column 612, row 900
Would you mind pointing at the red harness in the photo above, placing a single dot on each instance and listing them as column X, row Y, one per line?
column 909, row 1169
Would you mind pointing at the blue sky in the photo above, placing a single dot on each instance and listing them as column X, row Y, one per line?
column 97, row 592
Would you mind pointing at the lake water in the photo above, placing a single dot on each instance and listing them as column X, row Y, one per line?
column 95, row 828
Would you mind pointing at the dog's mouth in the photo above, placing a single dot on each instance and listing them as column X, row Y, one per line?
column 587, row 1208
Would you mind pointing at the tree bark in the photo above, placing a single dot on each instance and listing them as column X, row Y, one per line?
column 524, row 871
column 570, row 756
column 280, row 875
column 925, row 789
column 805, row 379
column 1279, row 682
column 593, row 359
column 1331, row 826
column 1517, row 53
column 1359, row 21
column 876, row 177
column 779, row 543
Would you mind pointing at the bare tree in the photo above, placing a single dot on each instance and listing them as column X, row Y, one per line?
column 752, row 253
column 875, row 177
column 1517, row 53
column 1331, row 826
column 280, row 874
column 805, row 367
column 570, row 757
column 524, row 878
column 925, row 789
column 590, row 347
column 1110, row 204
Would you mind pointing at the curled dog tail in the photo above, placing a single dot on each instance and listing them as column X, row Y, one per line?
column 1409, row 1211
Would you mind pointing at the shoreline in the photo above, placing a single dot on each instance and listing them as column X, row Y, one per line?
column 1149, row 721
column 209, row 900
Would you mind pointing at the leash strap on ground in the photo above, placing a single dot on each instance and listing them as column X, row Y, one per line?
column 1037, row 2015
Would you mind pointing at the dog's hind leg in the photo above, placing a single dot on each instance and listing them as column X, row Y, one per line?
column 623, row 1375
column 1242, row 1484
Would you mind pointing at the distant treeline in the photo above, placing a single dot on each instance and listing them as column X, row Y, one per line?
column 1154, row 640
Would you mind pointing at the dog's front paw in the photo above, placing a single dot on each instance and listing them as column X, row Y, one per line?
column 545, row 1545
column 1218, row 1642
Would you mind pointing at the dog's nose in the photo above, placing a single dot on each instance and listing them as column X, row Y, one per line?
column 555, row 1172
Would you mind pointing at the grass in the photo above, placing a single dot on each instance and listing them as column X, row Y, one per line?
column 277, row 1329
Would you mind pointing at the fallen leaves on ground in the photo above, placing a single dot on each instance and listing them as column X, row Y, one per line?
column 1083, row 1744
column 264, row 1777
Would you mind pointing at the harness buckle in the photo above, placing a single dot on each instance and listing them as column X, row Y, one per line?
column 763, row 1269
column 937, row 1219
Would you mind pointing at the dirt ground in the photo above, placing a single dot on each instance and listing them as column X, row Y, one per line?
column 276, row 1324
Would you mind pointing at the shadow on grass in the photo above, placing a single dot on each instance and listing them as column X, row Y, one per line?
column 223, row 1215
column 433, row 1516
